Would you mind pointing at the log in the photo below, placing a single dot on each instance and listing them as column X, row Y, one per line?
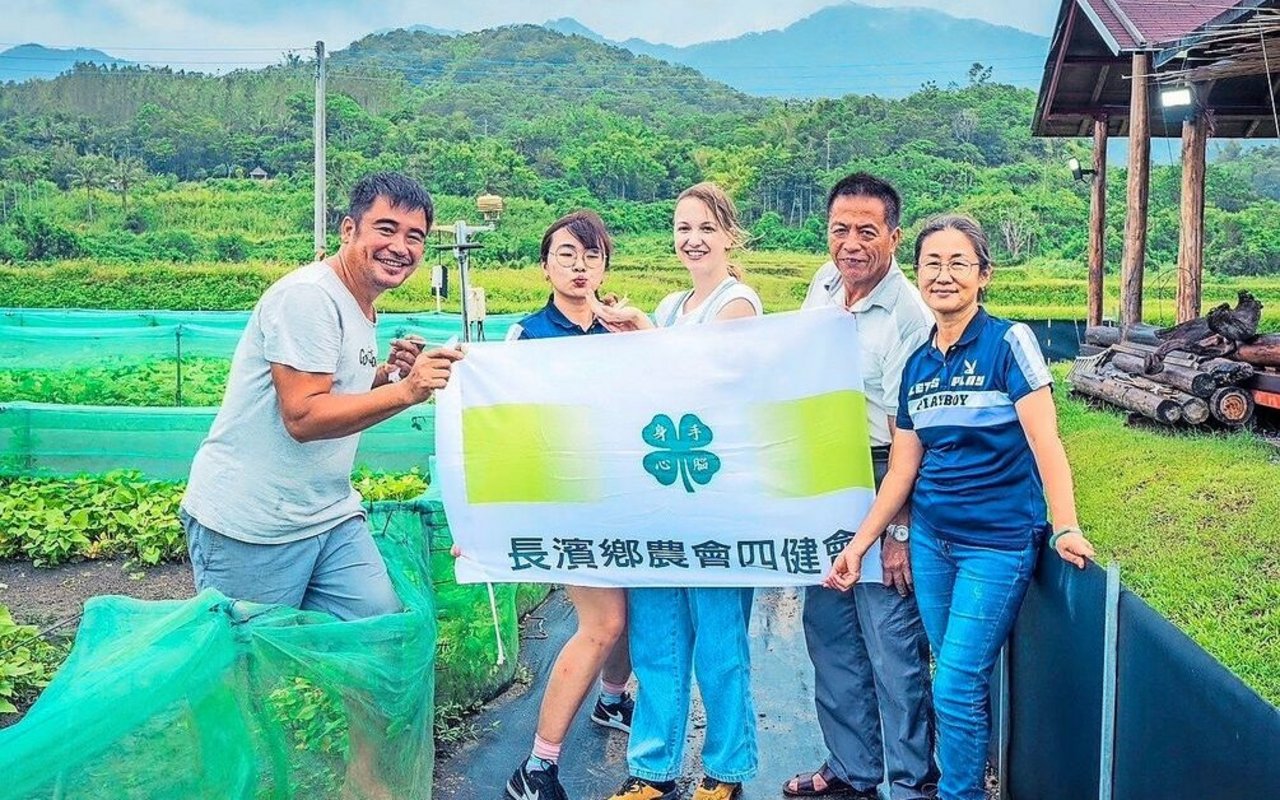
column 1232, row 406
column 1143, row 350
column 1195, row 410
column 1141, row 334
column 1227, row 372
column 1220, row 331
column 1265, row 381
column 1101, row 335
column 1193, row 382
column 1263, row 351
column 1128, row 397
column 1107, row 335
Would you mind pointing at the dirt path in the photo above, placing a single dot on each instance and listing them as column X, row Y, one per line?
column 595, row 760
column 47, row 596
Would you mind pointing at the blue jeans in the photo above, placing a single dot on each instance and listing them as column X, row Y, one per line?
column 969, row 598
column 677, row 634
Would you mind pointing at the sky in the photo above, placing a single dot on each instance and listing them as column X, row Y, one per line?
column 142, row 30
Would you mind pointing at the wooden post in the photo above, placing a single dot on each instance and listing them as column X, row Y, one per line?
column 1135, row 228
column 1098, row 221
column 1195, row 136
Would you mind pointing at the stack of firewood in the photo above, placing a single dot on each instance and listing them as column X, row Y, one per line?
column 1214, row 369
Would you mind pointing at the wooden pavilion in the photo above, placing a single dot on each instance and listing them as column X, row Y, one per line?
column 1212, row 68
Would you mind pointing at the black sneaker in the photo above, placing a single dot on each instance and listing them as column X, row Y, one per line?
column 536, row 784
column 614, row 715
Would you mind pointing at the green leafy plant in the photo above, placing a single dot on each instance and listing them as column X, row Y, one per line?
column 27, row 662
column 121, row 382
column 121, row 514
column 50, row 521
column 376, row 485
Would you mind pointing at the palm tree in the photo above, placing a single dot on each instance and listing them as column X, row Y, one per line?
column 89, row 173
column 127, row 171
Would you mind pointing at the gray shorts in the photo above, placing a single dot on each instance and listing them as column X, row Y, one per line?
column 339, row 572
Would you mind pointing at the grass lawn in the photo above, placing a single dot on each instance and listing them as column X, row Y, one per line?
column 1194, row 521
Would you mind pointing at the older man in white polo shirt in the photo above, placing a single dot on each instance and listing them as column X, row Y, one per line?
column 868, row 646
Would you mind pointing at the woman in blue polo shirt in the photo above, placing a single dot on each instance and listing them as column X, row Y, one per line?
column 575, row 253
column 976, row 451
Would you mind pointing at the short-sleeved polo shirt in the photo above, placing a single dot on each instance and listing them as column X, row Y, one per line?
column 550, row 322
column 892, row 322
column 978, row 482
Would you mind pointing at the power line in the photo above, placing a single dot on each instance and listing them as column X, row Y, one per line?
column 637, row 67
column 305, row 48
column 128, row 64
column 900, row 81
column 420, row 75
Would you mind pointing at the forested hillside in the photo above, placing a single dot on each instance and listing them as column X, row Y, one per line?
column 93, row 163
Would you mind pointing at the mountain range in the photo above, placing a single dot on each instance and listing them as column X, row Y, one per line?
column 853, row 49
column 28, row 61
column 843, row 49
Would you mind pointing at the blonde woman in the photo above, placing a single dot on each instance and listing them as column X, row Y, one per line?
column 677, row 634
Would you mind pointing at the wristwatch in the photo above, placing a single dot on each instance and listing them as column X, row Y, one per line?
column 899, row 533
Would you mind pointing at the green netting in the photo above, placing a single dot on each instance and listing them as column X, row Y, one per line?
column 71, row 336
column 468, row 648
column 50, row 439
column 150, row 359
column 206, row 698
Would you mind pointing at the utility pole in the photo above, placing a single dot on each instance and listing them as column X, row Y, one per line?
column 319, row 135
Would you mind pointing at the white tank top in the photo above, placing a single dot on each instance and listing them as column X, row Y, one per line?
column 671, row 310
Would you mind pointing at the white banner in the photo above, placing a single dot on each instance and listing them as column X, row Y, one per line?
column 728, row 454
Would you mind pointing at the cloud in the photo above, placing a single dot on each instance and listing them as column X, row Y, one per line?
column 214, row 37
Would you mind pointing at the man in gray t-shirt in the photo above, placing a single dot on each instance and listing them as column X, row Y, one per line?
column 270, row 512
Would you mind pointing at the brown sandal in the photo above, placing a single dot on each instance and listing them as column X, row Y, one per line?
column 836, row 789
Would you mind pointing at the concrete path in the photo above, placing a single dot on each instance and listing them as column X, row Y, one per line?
column 594, row 764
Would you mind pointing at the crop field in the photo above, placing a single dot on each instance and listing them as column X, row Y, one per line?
column 641, row 271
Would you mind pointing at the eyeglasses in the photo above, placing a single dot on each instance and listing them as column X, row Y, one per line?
column 957, row 268
column 567, row 258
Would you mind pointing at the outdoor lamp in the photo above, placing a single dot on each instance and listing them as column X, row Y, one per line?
column 1078, row 172
column 1178, row 102
column 1176, row 98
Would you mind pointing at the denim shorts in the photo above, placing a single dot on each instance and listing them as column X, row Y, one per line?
column 339, row 572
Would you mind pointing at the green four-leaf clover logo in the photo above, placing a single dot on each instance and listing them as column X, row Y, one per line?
column 680, row 451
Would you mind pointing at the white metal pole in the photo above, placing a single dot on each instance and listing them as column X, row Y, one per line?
column 1110, row 633
column 461, row 233
column 319, row 135
column 1002, row 724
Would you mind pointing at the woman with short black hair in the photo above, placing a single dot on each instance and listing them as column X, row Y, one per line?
column 575, row 254
column 976, row 450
